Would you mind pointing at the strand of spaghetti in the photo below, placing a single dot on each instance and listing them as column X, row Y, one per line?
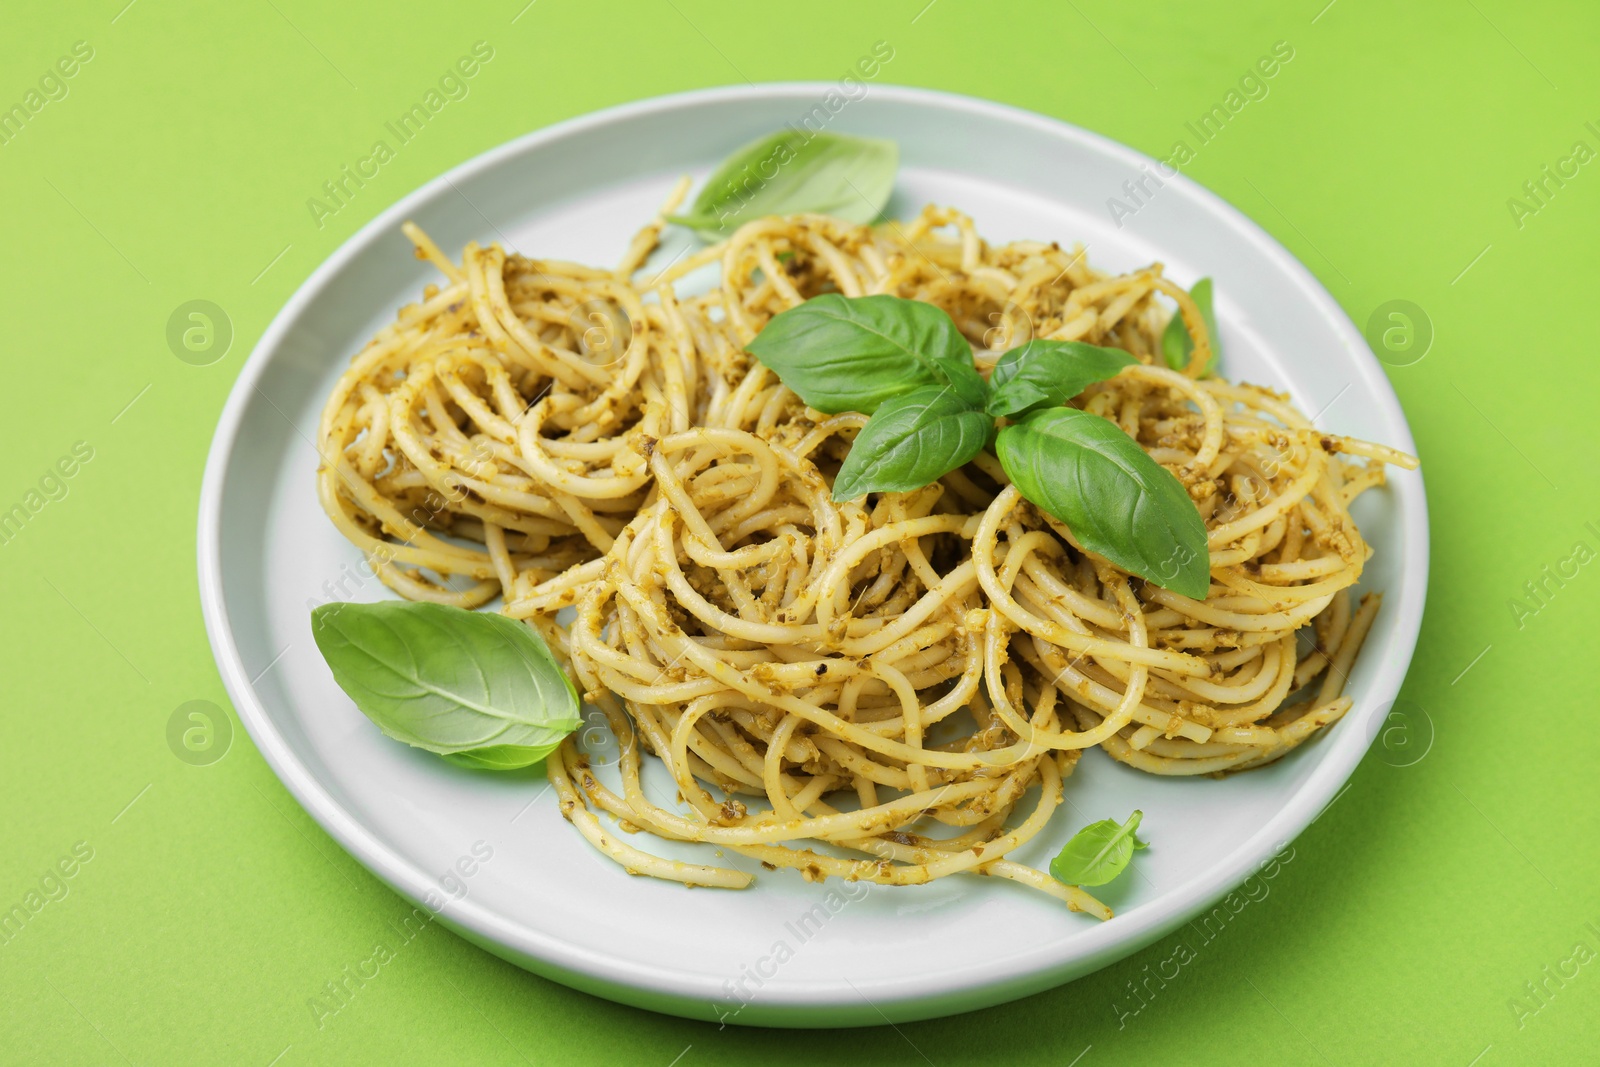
column 430, row 251
column 1339, row 669
column 644, row 242
column 1073, row 897
column 632, row 860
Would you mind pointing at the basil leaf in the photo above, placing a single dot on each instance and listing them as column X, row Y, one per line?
column 1097, row 853
column 910, row 441
column 842, row 353
column 1176, row 344
column 497, row 757
column 1116, row 500
column 1049, row 373
column 793, row 172
column 476, row 687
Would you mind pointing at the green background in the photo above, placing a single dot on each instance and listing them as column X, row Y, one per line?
column 178, row 167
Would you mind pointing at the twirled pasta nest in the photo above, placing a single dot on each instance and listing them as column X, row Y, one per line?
column 872, row 689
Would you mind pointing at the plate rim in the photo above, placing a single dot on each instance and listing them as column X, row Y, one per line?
column 689, row 993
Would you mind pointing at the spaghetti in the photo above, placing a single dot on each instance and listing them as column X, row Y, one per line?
column 891, row 689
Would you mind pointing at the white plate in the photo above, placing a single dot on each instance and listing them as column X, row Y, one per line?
column 545, row 899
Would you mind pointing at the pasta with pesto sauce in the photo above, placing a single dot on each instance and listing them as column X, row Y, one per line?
column 890, row 689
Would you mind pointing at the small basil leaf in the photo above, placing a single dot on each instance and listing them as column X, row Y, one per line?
column 1097, row 853
column 910, row 441
column 842, row 353
column 1116, row 500
column 1049, row 373
column 475, row 687
column 1176, row 344
column 794, row 172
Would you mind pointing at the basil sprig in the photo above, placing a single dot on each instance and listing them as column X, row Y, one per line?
column 477, row 688
column 1176, row 344
column 906, row 364
column 1098, row 853
column 793, row 172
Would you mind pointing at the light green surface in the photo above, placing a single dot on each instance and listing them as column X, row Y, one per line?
column 177, row 168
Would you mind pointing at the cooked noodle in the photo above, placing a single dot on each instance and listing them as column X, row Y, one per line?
column 890, row 689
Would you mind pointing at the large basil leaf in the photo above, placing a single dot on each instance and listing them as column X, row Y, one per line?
column 843, row 353
column 476, row 687
column 1049, row 373
column 1098, row 853
column 1176, row 344
column 794, row 172
column 1116, row 500
column 910, row 441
